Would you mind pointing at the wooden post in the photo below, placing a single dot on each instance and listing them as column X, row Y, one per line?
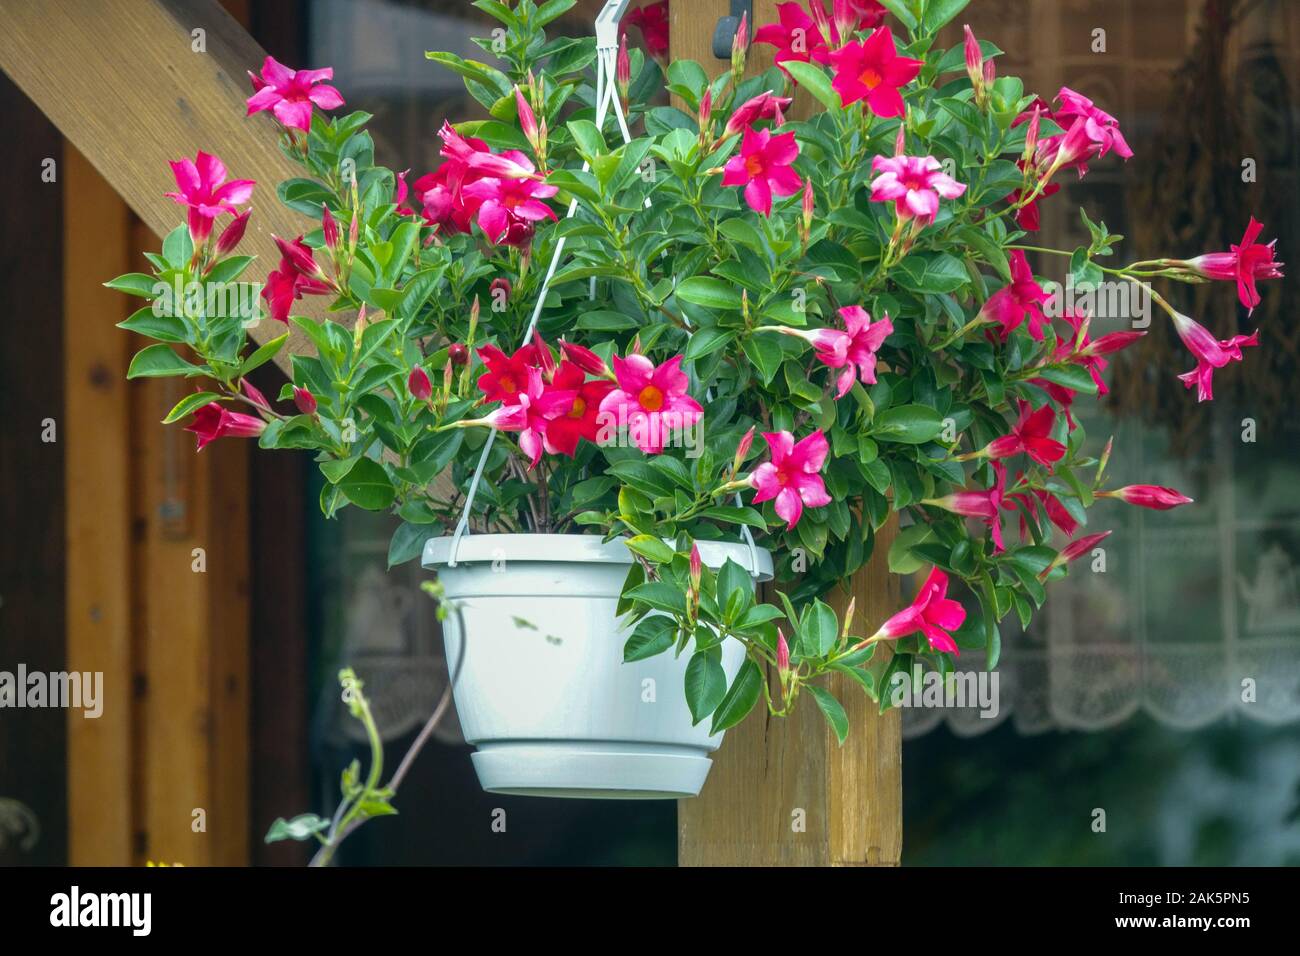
column 781, row 791
column 136, row 83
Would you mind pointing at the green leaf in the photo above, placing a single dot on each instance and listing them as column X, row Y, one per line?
column 135, row 283
column 819, row 629
column 908, row 424
column 901, row 558
column 706, row 341
column 299, row 828
column 178, row 247
column 188, row 404
column 653, row 635
column 166, row 328
column 740, row 698
column 709, row 292
column 939, row 13
column 588, row 139
column 660, row 596
column 832, row 710
column 263, row 355
column 901, row 9
column 367, row 486
column 158, row 361
column 815, row 81
column 706, row 683
column 1075, row 377
column 650, row 548
column 407, row 542
column 933, row 273
column 735, row 583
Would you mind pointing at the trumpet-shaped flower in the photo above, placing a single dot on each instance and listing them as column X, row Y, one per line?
column 871, row 70
column 1010, row 305
column 914, row 184
column 1031, row 435
column 792, row 476
column 1247, row 262
column 764, row 166
column 201, row 186
column 212, row 421
column 1155, row 497
column 291, row 94
column 764, row 106
column 650, row 401
column 652, row 19
column 582, row 417
column 932, row 613
column 1210, row 353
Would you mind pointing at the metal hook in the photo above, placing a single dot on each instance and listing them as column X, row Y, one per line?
column 724, row 34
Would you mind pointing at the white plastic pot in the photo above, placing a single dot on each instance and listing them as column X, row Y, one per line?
column 542, row 690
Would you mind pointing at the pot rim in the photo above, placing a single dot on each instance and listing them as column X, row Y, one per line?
column 576, row 549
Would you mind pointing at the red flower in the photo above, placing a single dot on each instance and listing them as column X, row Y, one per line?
column 652, row 20
column 932, row 613
column 1031, row 435
column 797, row 36
column 212, row 422
column 288, row 283
column 506, row 377
column 1245, row 263
column 580, row 420
column 1155, row 497
column 1009, row 306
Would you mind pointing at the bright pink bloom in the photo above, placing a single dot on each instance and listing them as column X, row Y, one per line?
column 508, row 208
column 305, row 400
column 854, row 15
column 418, row 384
column 1210, row 353
column 864, row 340
column 872, row 70
column 231, row 236
column 541, row 405
column 201, row 185
column 290, row 94
column 479, row 158
column 793, row 475
column 914, row 184
column 764, row 166
column 1246, row 262
column 797, row 36
column 212, row 422
column 1155, row 497
column 1031, row 435
column 1009, row 306
column 1101, row 129
column 582, row 417
column 585, row 359
column 764, row 106
column 652, row 20
column 932, row 613
column 979, row 504
column 400, row 191
column 651, row 401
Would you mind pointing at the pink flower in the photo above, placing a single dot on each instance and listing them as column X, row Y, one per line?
column 792, row 476
column 651, row 401
column 742, row 451
column 290, row 94
column 652, row 20
column 508, row 208
column 974, row 57
column 1101, row 129
column 418, row 384
column 854, row 15
column 872, row 70
column 541, row 405
column 476, row 156
column 1155, row 497
column 527, row 119
column 1030, row 499
column 797, row 36
column 1031, row 435
column 979, row 504
column 914, row 184
column 1210, row 353
column 212, row 422
column 764, row 166
column 765, row 106
column 201, row 185
column 1246, row 262
column 305, row 400
column 1009, row 306
column 864, row 340
column 932, row 613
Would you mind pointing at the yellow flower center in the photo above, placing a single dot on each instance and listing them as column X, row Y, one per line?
column 870, row 78
column 651, row 399
column 579, row 407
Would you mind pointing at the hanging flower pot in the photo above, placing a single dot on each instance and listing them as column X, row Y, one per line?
column 536, row 649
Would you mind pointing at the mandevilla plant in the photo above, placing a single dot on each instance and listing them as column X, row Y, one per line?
column 854, row 287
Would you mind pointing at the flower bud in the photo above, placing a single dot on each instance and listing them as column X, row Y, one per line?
column 527, row 120
column 740, row 45
column 741, row 451
column 782, row 656
column 233, row 233
column 329, row 227
column 418, row 384
column 457, row 354
column 585, row 359
column 697, row 567
column 305, row 400
column 623, row 70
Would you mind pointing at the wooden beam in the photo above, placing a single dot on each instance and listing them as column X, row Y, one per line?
column 98, row 482
column 126, row 83
column 781, row 791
